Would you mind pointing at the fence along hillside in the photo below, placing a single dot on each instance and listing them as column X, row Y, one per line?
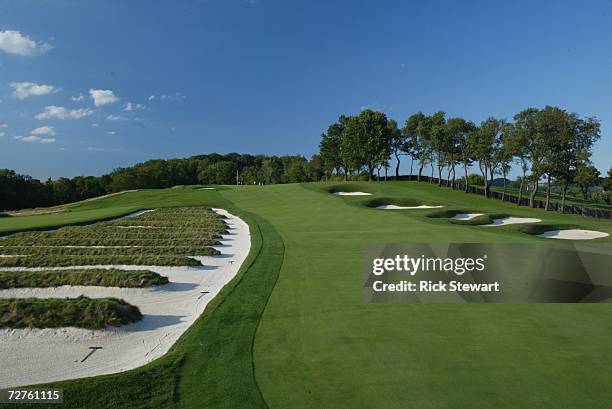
column 540, row 204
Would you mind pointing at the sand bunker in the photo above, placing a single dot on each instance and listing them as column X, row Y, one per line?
column 466, row 216
column 573, row 234
column 395, row 207
column 352, row 193
column 31, row 356
column 512, row 220
column 207, row 188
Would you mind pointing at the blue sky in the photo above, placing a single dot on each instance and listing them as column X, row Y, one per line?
column 268, row 76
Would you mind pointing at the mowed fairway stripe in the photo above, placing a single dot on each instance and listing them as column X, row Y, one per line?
column 319, row 346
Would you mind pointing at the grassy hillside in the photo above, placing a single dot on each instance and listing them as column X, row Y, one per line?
column 320, row 346
column 317, row 345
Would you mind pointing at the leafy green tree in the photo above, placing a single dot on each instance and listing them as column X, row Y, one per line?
column 399, row 144
column 484, row 145
column 607, row 182
column 366, row 141
column 272, row 170
column 455, row 149
column 462, row 129
column 219, row 173
column 315, row 170
column 329, row 147
column 505, row 154
column 526, row 126
column 416, row 131
column 438, row 141
column 586, row 176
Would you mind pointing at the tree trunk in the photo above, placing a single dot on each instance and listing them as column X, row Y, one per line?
column 534, row 192
column 386, row 171
column 547, row 192
column 453, row 179
column 439, row 175
column 370, row 171
column 411, row 162
column 467, row 184
column 397, row 165
column 421, row 164
column 520, row 196
column 504, row 189
column 431, row 180
column 564, row 193
column 486, row 180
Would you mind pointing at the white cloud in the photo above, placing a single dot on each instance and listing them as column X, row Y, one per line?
column 2, row 134
column 13, row 42
column 171, row 97
column 92, row 149
column 78, row 98
column 129, row 106
column 22, row 90
column 44, row 130
column 95, row 125
column 116, row 118
column 53, row 111
column 102, row 97
column 4, row 126
column 111, row 132
column 34, row 138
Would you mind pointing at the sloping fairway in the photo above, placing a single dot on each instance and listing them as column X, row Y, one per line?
column 318, row 346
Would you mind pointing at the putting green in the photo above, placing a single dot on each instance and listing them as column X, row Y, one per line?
column 317, row 345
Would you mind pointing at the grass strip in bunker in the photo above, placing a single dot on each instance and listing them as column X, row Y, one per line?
column 109, row 259
column 88, row 277
column 81, row 312
column 114, row 251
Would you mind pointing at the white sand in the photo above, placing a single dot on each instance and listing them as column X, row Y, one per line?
column 352, row 194
column 512, row 220
column 30, row 356
column 394, row 207
column 207, row 188
column 573, row 234
column 466, row 216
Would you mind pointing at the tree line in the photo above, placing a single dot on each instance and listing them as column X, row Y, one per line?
column 548, row 144
column 22, row 191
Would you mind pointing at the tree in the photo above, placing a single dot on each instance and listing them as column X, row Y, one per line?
column 366, row 141
column 399, row 144
column 572, row 147
column 484, row 145
column 219, row 173
column 586, row 176
column 314, row 169
column 505, row 154
column 329, row 147
column 438, row 140
column 456, row 149
column 468, row 131
column 416, row 132
column 607, row 182
column 526, row 124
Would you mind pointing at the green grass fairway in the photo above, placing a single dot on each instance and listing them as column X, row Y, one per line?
column 307, row 340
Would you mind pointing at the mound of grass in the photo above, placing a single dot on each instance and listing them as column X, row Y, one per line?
column 95, row 277
column 397, row 201
column 110, row 251
column 39, row 260
column 104, row 241
column 447, row 214
column 537, row 228
column 348, row 187
column 81, row 312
